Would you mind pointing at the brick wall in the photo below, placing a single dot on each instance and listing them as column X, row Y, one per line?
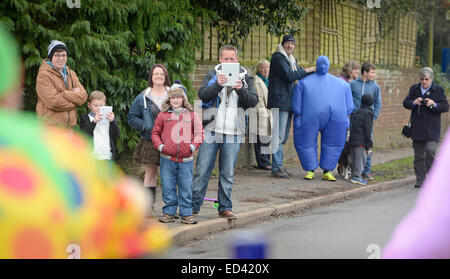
column 200, row 72
column 394, row 85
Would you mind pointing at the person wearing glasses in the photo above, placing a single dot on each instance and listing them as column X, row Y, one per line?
column 427, row 101
column 58, row 88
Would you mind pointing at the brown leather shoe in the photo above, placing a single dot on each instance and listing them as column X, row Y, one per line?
column 227, row 214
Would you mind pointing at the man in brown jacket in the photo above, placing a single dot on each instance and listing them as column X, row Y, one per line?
column 58, row 88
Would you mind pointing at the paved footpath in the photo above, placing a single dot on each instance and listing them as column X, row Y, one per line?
column 258, row 196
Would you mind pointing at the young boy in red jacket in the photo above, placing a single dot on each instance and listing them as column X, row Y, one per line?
column 177, row 133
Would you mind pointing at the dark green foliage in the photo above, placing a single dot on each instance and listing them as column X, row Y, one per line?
column 113, row 43
column 280, row 16
column 389, row 12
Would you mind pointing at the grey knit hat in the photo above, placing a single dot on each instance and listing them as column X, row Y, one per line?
column 55, row 46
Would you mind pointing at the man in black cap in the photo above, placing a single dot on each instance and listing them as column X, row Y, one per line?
column 283, row 74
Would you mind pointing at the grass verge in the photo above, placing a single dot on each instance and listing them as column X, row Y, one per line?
column 397, row 169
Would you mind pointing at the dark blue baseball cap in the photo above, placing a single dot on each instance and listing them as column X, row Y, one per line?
column 288, row 38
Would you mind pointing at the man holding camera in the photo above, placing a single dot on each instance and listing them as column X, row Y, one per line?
column 427, row 101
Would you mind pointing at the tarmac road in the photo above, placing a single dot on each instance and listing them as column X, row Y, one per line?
column 357, row 228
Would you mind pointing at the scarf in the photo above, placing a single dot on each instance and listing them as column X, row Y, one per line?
column 290, row 58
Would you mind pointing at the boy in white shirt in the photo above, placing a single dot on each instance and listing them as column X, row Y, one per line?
column 104, row 135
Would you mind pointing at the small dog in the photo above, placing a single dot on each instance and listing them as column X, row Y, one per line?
column 345, row 160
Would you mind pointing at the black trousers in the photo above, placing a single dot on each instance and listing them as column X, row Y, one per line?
column 424, row 152
column 262, row 151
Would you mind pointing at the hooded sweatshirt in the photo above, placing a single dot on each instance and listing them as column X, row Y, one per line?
column 360, row 87
column 57, row 102
column 362, row 123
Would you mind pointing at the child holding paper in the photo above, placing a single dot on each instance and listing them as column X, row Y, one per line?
column 104, row 133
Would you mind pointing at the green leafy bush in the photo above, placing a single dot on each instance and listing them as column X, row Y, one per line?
column 112, row 45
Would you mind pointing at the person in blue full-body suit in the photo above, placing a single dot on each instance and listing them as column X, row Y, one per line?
column 321, row 103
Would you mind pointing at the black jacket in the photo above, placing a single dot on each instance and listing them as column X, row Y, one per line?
column 114, row 132
column 426, row 122
column 281, row 82
column 361, row 127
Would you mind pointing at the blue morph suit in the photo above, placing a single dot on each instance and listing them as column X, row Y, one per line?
column 321, row 103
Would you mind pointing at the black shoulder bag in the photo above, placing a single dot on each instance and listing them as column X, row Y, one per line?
column 406, row 131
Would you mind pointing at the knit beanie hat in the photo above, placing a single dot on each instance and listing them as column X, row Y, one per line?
column 288, row 38
column 55, row 46
column 367, row 99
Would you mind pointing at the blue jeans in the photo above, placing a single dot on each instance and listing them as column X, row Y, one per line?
column 229, row 148
column 280, row 136
column 175, row 174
